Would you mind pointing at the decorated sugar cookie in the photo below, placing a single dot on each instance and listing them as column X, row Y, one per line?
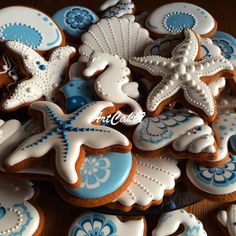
column 227, row 44
column 175, row 131
column 172, row 18
column 117, row 8
column 183, row 79
column 46, row 76
column 17, row 215
column 69, row 135
column 154, row 178
column 39, row 33
column 100, row 224
column 78, row 91
column 227, row 219
column 171, row 221
column 74, row 20
column 101, row 180
column 116, row 36
column 216, row 183
column 114, row 85
column 226, row 103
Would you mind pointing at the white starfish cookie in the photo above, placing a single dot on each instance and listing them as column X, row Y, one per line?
column 69, row 135
column 46, row 76
column 113, row 84
column 182, row 73
column 171, row 221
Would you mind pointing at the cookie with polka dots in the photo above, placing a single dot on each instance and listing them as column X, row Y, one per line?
column 18, row 213
column 172, row 18
column 43, row 76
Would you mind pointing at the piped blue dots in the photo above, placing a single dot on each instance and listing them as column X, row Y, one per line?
column 45, row 19
column 38, row 62
column 42, row 67
column 222, row 127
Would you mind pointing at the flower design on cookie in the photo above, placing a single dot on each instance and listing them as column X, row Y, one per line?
column 220, row 176
column 95, row 225
column 69, row 135
column 78, row 18
column 94, row 171
column 182, row 73
column 46, row 76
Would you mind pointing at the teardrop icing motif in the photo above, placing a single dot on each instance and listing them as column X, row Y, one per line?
column 2, row 212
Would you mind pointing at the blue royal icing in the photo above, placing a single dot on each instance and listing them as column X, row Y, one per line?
column 227, row 44
column 100, row 175
column 219, row 177
column 2, row 212
column 94, row 225
column 74, row 20
column 78, row 93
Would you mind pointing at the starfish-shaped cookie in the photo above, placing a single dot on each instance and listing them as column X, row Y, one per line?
column 46, row 76
column 182, row 72
column 69, row 135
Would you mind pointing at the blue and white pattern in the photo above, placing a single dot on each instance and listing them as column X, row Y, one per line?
column 155, row 133
column 100, row 175
column 218, row 181
column 74, row 20
column 39, row 33
column 170, row 222
column 227, row 44
column 66, row 133
column 95, row 224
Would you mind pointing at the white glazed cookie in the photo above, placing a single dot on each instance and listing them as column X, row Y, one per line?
column 17, row 215
column 46, row 76
column 39, row 33
column 227, row 219
column 117, row 8
column 171, row 221
column 100, row 224
column 113, row 84
column 182, row 130
column 182, row 72
column 154, row 178
column 172, row 18
column 68, row 135
column 116, row 36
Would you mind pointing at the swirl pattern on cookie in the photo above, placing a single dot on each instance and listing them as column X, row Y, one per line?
column 68, row 135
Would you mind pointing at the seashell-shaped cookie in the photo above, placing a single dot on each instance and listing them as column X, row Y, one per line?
column 115, row 36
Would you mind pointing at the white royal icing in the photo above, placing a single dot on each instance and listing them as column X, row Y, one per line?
column 217, row 85
column 182, row 72
column 153, row 177
column 40, row 32
column 117, row 8
column 172, row 18
column 66, row 133
column 197, row 140
column 46, row 76
column 116, row 36
column 228, row 219
column 17, row 215
column 100, row 224
column 171, row 221
column 113, row 84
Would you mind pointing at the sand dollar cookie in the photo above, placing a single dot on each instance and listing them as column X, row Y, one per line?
column 30, row 27
column 172, row 18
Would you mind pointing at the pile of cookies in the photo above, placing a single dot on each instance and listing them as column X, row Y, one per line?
column 107, row 105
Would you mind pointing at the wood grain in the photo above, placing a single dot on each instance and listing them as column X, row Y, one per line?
column 58, row 214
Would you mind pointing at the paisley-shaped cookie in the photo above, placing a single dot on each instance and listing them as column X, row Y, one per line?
column 39, row 33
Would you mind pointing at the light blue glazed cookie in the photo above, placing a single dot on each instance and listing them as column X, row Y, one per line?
column 74, row 20
column 29, row 26
column 102, row 175
column 227, row 44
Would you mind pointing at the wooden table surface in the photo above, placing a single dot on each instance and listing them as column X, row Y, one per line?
column 58, row 214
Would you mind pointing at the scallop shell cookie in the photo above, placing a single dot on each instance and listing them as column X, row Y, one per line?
column 17, row 215
column 101, row 180
column 116, row 36
column 108, row 225
column 172, row 18
column 170, row 222
column 40, row 32
column 154, row 178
